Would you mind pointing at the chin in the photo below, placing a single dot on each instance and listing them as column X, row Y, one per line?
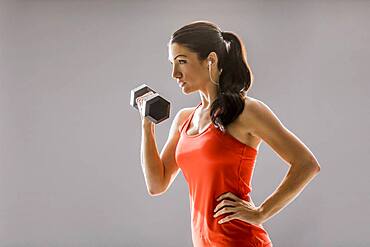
column 188, row 92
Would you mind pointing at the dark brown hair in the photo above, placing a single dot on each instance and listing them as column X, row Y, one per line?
column 203, row 37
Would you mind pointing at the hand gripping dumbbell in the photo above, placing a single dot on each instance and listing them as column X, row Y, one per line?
column 156, row 108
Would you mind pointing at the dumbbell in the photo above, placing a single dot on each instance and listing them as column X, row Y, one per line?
column 156, row 107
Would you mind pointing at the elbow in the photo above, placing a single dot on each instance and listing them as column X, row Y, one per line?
column 156, row 188
column 315, row 168
column 311, row 168
column 318, row 168
column 312, row 165
column 152, row 193
column 155, row 192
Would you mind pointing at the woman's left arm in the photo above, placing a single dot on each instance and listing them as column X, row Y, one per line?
column 303, row 164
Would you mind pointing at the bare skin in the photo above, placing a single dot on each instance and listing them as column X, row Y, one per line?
column 239, row 128
column 256, row 123
column 195, row 74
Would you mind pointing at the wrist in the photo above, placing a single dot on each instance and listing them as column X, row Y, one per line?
column 262, row 214
column 147, row 125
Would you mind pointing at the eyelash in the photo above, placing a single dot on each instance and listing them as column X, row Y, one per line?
column 180, row 61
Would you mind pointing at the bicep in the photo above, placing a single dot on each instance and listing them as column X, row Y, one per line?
column 271, row 130
column 167, row 155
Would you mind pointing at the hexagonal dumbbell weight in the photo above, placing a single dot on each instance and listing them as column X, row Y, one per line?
column 156, row 107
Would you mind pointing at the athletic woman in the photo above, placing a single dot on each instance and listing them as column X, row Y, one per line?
column 215, row 144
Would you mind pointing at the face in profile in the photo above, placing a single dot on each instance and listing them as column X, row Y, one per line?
column 190, row 73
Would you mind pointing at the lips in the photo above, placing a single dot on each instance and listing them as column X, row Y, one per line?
column 181, row 83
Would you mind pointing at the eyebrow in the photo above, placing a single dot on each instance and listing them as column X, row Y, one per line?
column 177, row 57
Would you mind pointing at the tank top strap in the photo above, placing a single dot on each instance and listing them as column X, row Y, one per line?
column 188, row 120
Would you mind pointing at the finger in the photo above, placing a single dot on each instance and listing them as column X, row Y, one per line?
column 248, row 201
column 142, row 97
column 225, row 210
column 229, row 195
column 140, row 100
column 146, row 95
column 228, row 218
column 224, row 203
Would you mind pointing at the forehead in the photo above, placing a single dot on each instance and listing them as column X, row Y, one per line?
column 175, row 50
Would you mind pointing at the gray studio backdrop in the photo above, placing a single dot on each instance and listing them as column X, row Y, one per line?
column 70, row 172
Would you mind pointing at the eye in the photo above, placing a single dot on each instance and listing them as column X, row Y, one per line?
column 180, row 61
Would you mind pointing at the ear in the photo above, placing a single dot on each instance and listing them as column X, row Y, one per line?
column 212, row 57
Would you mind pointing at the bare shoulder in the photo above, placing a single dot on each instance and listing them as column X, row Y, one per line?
column 254, row 113
column 253, row 105
column 266, row 125
column 256, row 109
column 182, row 115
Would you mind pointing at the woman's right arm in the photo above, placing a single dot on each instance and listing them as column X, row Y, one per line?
column 159, row 170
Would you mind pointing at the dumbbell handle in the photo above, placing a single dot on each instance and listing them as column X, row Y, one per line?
column 146, row 97
column 133, row 92
column 153, row 106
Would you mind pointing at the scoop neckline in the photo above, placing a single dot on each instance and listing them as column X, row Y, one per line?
column 198, row 134
column 189, row 122
column 210, row 125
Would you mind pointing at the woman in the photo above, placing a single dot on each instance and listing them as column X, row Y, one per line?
column 215, row 144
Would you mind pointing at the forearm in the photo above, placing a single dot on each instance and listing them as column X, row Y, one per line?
column 292, row 185
column 151, row 163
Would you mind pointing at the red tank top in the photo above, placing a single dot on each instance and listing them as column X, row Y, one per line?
column 213, row 163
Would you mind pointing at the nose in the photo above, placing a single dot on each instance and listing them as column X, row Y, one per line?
column 175, row 72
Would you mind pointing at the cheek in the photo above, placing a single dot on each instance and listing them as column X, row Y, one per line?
column 195, row 73
column 189, row 73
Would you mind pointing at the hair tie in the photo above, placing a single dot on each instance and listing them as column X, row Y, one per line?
column 227, row 42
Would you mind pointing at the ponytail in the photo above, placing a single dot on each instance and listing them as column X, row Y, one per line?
column 234, row 81
column 203, row 37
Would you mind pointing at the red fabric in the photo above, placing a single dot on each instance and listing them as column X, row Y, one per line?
column 214, row 163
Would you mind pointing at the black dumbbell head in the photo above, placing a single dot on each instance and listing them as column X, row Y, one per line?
column 137, row 92
column 156, row 108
